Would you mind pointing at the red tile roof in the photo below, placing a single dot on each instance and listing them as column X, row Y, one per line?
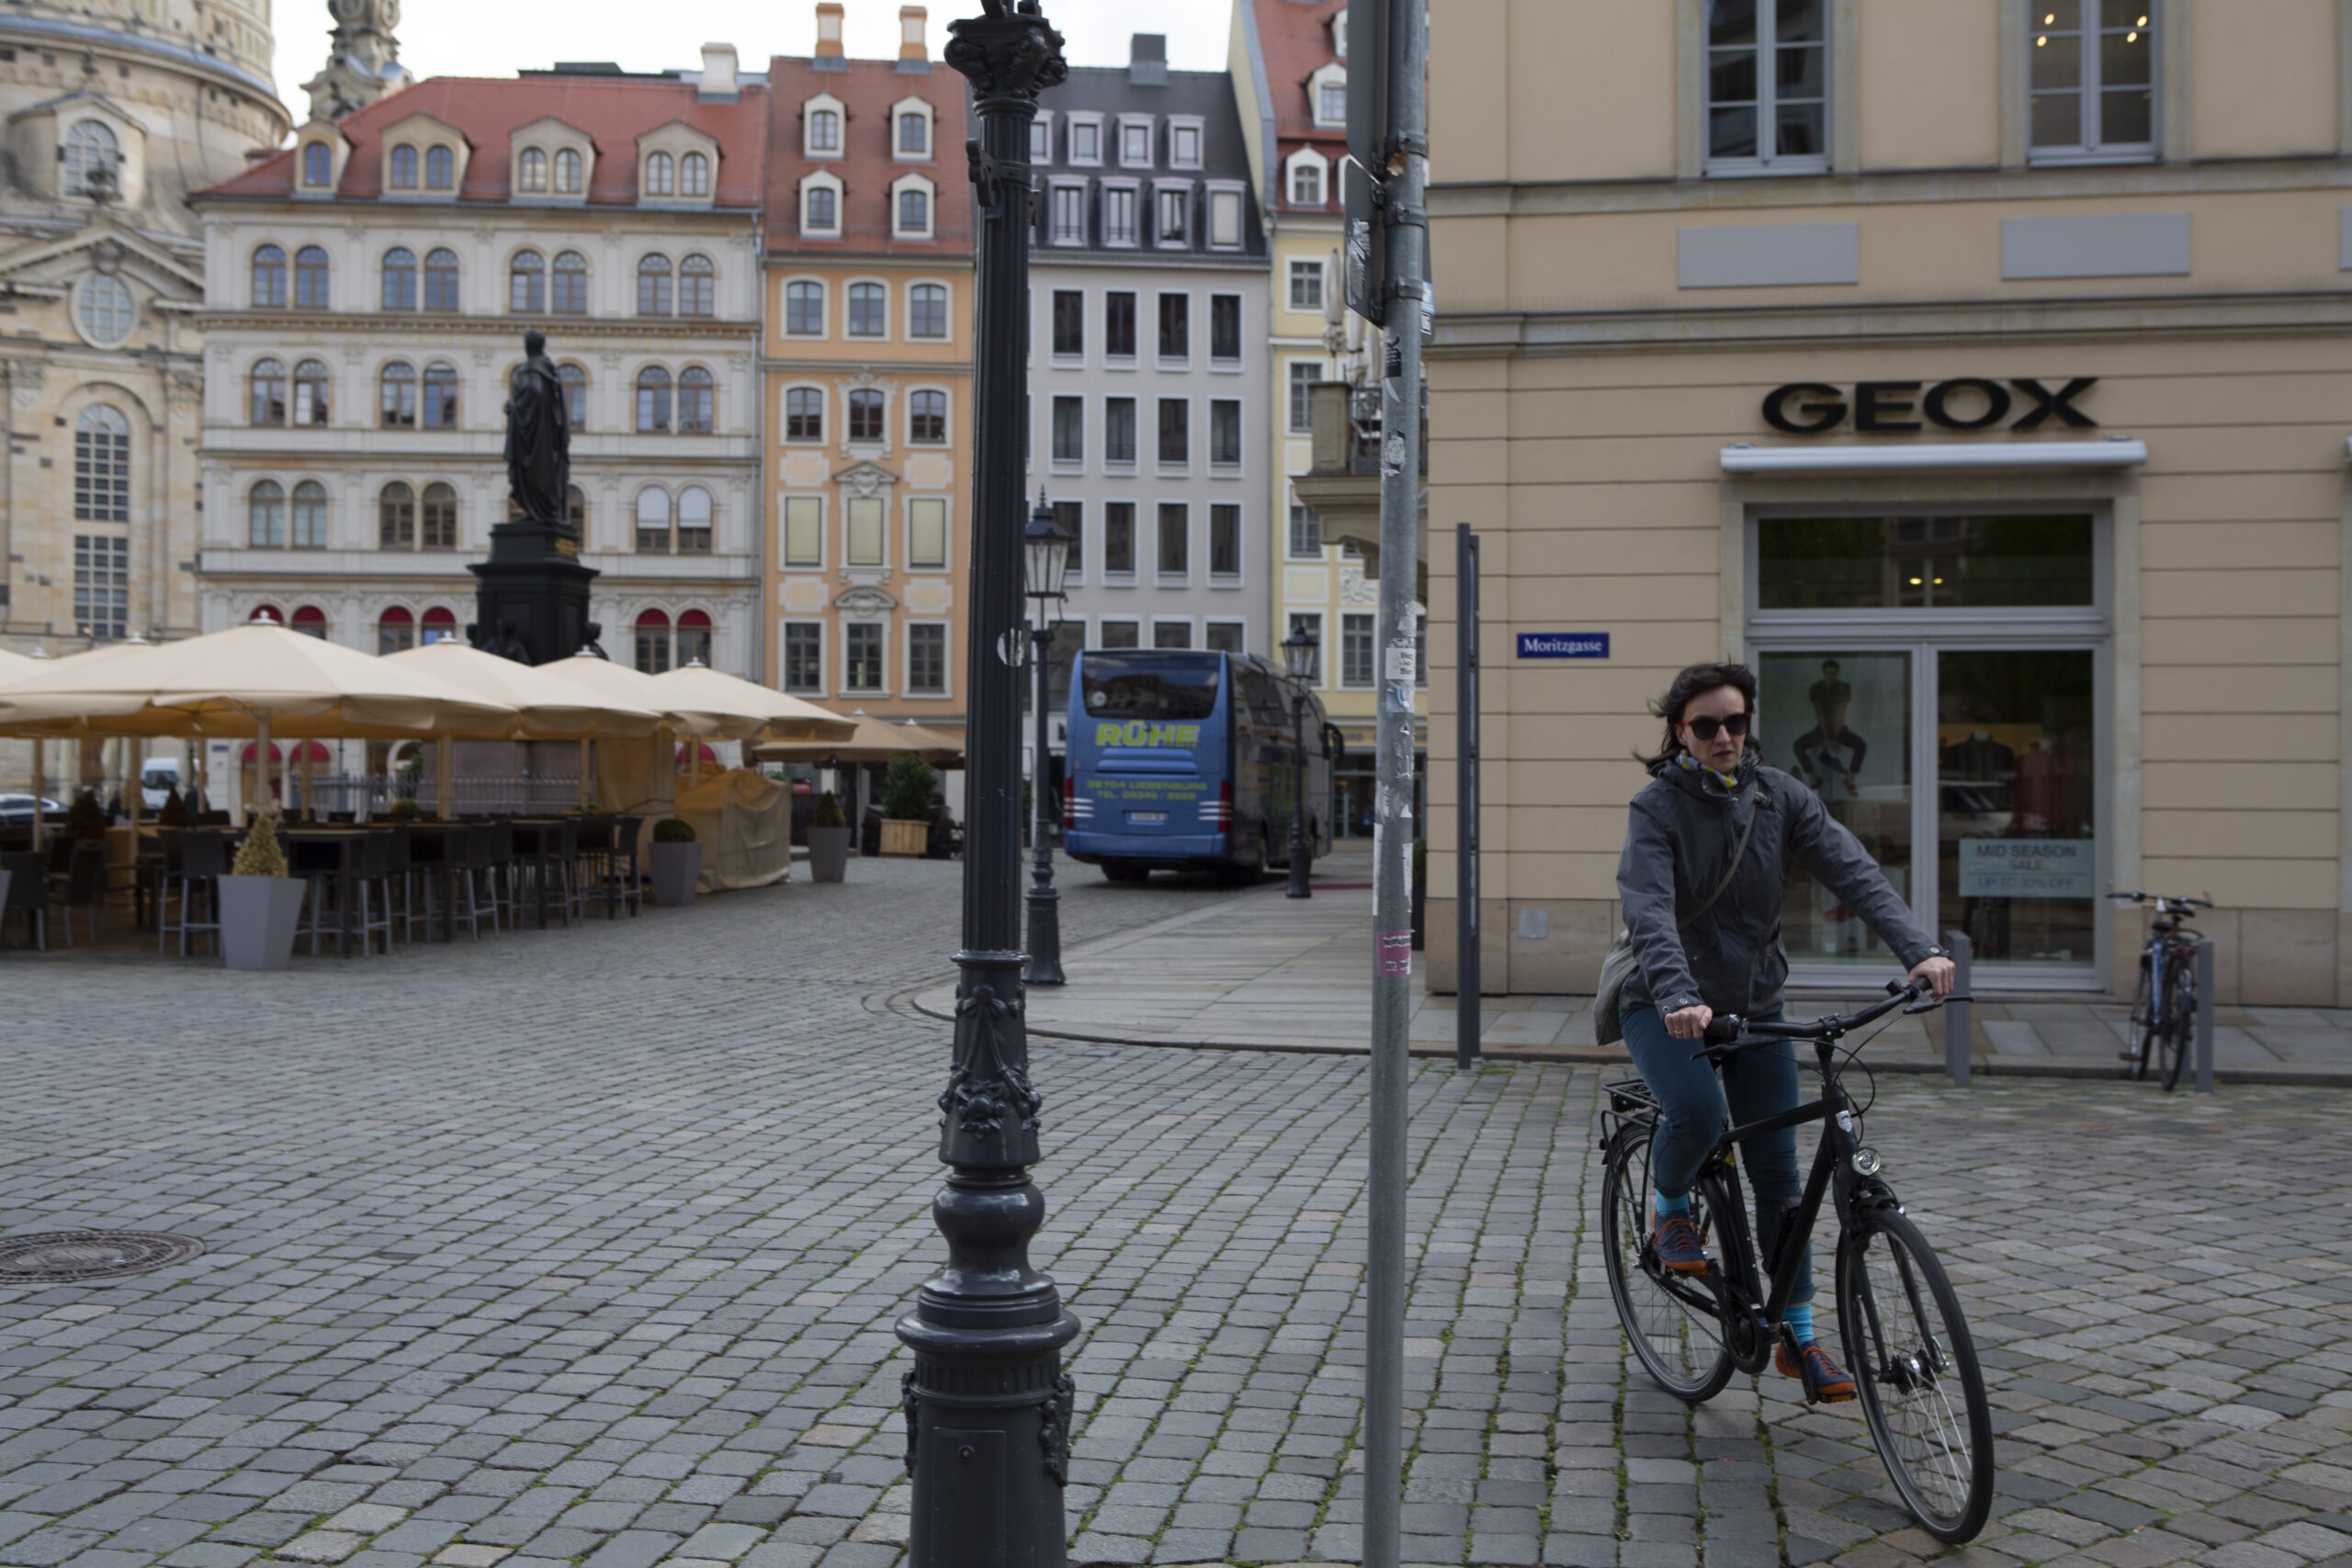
column 612, row 113
column 1295, row 38
column 866, row 91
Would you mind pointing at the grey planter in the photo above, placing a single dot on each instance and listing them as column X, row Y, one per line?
column 258, row 915
column 828, row 854
column 676, row 869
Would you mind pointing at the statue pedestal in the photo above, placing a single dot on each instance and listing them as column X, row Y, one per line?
column 533, row 582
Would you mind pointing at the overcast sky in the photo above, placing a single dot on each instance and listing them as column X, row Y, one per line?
column 497, row 38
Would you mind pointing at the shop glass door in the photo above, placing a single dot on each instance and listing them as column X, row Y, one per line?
column 1839, row 720
column 2016, row 824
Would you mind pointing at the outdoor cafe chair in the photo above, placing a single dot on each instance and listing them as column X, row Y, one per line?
column 82, row 885
column 196, row 862
column 375, row 871
column 28, row 895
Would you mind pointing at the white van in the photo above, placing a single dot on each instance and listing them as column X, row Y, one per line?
column 158, row 777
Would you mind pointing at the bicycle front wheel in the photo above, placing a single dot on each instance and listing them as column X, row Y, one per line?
column 1922, row 1392
column 1670, row 1318
column 2179, row 1017
column 2144, row 1002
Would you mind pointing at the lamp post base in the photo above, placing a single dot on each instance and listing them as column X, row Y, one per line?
column 1298, row 869
column 1044, row 937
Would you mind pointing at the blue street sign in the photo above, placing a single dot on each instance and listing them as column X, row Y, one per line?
column 1564, row 645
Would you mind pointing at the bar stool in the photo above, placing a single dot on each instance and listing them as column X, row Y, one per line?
column 199, row 861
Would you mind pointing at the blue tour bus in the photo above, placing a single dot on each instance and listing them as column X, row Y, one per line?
column 1184, row 760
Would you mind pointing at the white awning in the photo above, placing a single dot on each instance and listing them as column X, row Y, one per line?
column 2117, row 452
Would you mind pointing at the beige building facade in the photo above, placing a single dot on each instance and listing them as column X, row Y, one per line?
column 1977, row 370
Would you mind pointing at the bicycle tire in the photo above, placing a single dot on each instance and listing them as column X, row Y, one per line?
column 1682, row 1348
column 1909, row 1344
column 2143, row 1025
column 2180, row 1019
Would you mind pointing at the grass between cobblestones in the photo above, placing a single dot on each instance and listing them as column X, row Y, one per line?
column 585, row 1248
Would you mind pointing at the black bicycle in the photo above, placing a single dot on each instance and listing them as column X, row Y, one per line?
column 2164, row 1006
column 1899, row 1322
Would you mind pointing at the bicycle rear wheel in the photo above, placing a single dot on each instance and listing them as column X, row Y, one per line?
column 2143, row 1025
column 2179, row 1016
column 1922, row 1392
column 1671, row 1318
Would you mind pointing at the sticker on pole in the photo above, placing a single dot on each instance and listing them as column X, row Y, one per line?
column 1395, row 952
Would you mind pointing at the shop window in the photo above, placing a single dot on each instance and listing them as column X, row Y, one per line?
column 2092, row 85
column 1768, row 87
column 1888, row 563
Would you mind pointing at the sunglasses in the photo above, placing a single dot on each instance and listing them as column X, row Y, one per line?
column 1708, row 728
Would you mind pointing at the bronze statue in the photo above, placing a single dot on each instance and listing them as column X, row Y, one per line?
column 538, row 435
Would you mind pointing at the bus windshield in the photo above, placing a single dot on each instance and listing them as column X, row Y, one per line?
column 1153, row 685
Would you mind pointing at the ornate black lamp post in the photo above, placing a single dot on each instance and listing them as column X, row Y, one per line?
column 1045, row 562
column 1298, row 663
column 987, row 1403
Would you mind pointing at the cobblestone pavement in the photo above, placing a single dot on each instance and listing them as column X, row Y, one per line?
column 585, row 1248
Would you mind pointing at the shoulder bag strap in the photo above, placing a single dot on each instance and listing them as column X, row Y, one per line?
column 1738, row 854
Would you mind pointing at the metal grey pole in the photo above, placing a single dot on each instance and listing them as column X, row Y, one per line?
column 1405, row 156
column 1956, row 1019
column 2205, row 1016
column 1466, row 773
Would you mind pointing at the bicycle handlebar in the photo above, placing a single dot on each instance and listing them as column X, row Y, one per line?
column 2163, row 898
column 1722, row 1035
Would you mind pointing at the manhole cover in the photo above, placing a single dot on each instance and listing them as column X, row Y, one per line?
column 55, row 1255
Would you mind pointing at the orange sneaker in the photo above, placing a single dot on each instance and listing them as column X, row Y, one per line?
column 1823, row 1378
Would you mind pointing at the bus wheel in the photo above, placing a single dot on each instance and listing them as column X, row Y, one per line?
column 1124, row 871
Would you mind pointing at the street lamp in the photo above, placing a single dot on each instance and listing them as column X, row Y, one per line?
column 1298, row 663
column 1046, row 562
column 987, row 1405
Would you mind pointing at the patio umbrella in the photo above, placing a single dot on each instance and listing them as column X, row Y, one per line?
column 872, row 741
column 686, row 711
column 548, row 707
column 789, row 718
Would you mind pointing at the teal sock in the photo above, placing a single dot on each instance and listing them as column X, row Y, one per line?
column 1800, row 1322
column 1667, row 1205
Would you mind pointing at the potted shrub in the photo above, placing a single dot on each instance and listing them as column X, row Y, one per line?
column 404, row 809
column 260, row 905
column 907, row 787
column 677, row 861
column 828, row 840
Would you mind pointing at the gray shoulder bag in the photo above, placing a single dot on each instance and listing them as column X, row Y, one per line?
column 1617, row 965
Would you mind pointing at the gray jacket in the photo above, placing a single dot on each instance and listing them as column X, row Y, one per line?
column 1676, row 848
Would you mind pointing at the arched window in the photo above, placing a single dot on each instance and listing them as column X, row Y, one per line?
column 567, row 172
column 311, row 273
column 653, row 641
column 396, row 517
column 653, row 519
column 914, row 133
column 824, row 211
column 310, row 621
column 308, row 521
column 803, row 414
column 531, row 170
column 441, row 279
column 927, row 310
column 526, row 284
column 1306, row 183
column 404, row 168
column 868, row 309
column 400, row 279
column 653, row 398
column 575, row 508
column 311, row 404
column 697, row 286
column 694, row 522
column 575, row 394
column 570, row 295
column 102, row 308
column 693, row 637
column 264, row 616
column 270, row 278
column 660, row 175
column 90, row 146
column 440, row 517
column 268, row 384
column 693, row 174
column 824, row 130
column 440, row 169
column 914, row 211
column 395, row 631
column 653, row 285
column 397, row 406
column 440, row 396
column 102, row 466
column 440, row 625
column 804, row 309
column 318, row 164
column 865, row 414
column 265, row 516
column 697, row 400
column 927, row 419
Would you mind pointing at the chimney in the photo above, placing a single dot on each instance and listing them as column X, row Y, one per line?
column 1148, row 61
column 828, row 56
column 913, row 54
column 719, row 73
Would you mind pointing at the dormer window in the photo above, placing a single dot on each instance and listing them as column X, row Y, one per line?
column 531, row 171
column 911, row 200
column 1308, row 184
column 1174, row 212
column 914, row 135
column 1340, row 36
column 440, row 169
column 820, row 207
column 824, row 130
column 1327, row 95
column 1041, row 140
column 402, row 175
column 1135, row 142
column 661, row 174
column 318, row 164
column 567, row 172
column 1085, row 140
column 1184, row 144
column 693, row 174
column 90, row 146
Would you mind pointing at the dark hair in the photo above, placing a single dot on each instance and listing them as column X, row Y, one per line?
column 1696, row 679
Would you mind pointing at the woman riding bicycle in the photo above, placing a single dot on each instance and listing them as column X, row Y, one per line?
column 1712, row 799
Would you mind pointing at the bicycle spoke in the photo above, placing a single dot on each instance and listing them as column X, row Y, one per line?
column 1921, row 1390
column 1670, row 1318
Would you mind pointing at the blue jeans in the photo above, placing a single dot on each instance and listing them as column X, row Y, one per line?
column 1694, row 1108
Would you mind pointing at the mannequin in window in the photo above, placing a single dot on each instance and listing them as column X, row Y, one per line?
column 1817, row 748
column 1978, row 758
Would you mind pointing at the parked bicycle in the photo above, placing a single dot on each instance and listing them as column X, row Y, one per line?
column 2164, row 1004
column 1914, row 1364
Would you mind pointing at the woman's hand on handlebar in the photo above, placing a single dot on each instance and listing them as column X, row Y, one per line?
column 1691, row 1023
column 1937, row 972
